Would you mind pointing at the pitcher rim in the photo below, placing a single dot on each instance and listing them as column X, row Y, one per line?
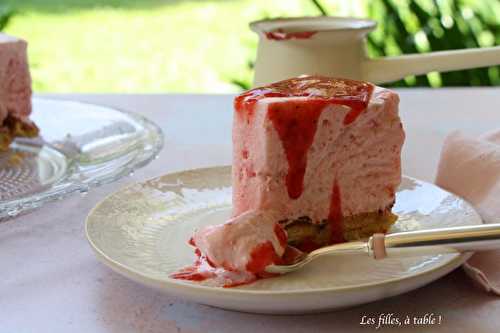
column 259, row 26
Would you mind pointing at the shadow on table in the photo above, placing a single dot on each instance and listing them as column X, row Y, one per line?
column 127, row 305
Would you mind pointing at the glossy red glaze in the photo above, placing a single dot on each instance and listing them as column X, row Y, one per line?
column 246, row 101
column 280, row 34
column 335, row 216
column 296, row 124
column 352, row 93
column 296, row 120
column 280, row 234
column 262, row 256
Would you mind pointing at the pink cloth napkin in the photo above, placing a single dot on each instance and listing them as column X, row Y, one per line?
column 470, row 168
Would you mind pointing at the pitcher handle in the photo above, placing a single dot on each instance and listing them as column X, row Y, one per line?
column 395, row 68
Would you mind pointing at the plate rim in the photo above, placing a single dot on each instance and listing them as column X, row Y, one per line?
column 12, row 208
column 174, row 285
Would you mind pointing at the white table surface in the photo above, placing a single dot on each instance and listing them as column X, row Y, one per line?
column 51, row 282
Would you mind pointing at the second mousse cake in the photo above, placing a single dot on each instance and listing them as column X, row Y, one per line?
column 15, row 91
column 323, row 153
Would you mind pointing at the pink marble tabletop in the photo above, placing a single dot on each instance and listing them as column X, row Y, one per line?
column 51, row 281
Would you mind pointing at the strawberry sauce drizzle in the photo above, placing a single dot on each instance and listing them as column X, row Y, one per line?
column 262, row 256
column 296, row 124
column 280, row 34
column 335, row 216
column 296, row 120
column 280, row 234
column 195, row 271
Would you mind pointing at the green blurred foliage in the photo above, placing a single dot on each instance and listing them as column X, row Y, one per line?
column 6, row 14
column 205, row 45
column 416, row 26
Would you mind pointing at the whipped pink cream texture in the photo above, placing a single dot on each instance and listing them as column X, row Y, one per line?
column 15, row 79
column 230, row 245
column 362, row 157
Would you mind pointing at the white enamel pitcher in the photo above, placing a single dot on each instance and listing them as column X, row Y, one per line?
column 335, row 46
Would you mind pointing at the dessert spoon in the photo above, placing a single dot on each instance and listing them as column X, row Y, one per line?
column 405, row 244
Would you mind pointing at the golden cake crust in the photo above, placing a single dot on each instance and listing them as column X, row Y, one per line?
column 13, row 127
column 307, row 236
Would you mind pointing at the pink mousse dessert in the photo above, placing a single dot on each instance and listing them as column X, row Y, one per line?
column 316, row 161
column 238, row 251
column 15, row 91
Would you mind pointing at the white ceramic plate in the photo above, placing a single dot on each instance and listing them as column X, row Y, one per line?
column 142, row 231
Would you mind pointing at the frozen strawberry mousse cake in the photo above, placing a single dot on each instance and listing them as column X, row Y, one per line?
column 323, row 153
column 15, row 91
column 316, row 161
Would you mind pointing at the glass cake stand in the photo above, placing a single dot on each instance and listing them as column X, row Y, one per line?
column 80, row 146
